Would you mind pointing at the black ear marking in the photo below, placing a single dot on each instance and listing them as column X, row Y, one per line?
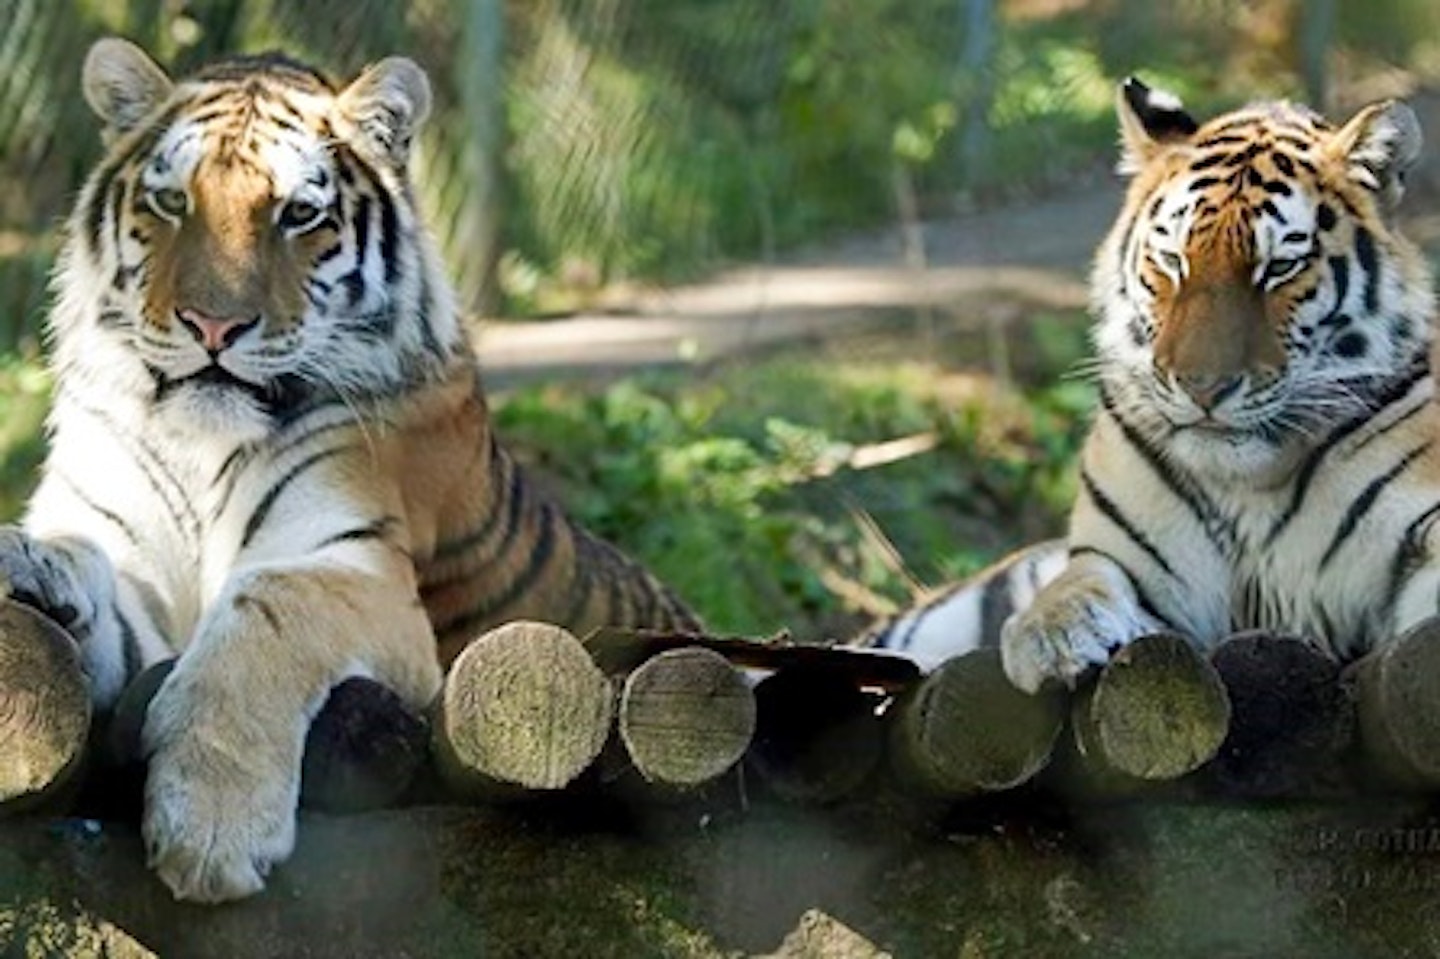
column 1160, row 114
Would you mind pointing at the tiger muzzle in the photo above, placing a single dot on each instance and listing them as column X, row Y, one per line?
column 214, row 333
column 1216, row 340
column 1209, row 390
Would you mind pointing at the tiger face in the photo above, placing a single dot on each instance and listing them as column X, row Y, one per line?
column 248, row 245
column 1253, row 293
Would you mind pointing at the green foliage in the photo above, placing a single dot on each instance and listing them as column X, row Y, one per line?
column 735, row 485
column 24, row 400
column 24, row 283
column 867, row 84
column 1053, row 113
column 655, row 139
column 1397, row 30
column 639, row 467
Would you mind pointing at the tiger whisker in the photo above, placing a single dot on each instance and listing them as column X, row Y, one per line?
column 318, row 371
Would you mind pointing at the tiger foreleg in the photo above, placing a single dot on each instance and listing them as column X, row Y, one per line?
column 1076, row 622
column 226, row 731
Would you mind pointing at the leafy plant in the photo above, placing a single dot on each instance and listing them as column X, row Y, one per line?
column 739, row 485
column 24, row 400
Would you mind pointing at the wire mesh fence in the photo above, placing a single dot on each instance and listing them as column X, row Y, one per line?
column 574, row 142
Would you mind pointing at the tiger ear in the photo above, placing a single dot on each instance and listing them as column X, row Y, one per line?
column 1378, row 145
column 388, row 102
column 1149, row 120
column 122, row 84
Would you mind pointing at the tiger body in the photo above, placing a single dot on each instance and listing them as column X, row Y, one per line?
column 1264, row 454
column 269, row 450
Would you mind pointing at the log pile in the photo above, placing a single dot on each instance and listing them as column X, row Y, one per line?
column 530, row 709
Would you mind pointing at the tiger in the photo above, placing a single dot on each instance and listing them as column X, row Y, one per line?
column 269, row 447
column 1264, row 452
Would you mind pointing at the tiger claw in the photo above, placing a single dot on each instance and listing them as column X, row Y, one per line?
column 1050, row 645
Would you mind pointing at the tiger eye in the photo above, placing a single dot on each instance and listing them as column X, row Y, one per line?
column 299, row 215
column 169, row 202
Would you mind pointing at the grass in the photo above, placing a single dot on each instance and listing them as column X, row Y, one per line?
column 771, row 491
column 24, row 400
column 813, row 489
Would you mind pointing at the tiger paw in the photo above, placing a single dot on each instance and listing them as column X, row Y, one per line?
column 71, row 583
column 46, row 578
column 219, row 807
column 1058, row 640
column 213, row 837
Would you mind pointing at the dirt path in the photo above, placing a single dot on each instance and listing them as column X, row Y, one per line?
column 986, row 264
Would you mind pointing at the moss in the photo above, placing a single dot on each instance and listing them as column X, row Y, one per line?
column 1161, row 880
column 527, row 888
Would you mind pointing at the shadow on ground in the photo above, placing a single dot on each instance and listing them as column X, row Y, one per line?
column 1153, row 880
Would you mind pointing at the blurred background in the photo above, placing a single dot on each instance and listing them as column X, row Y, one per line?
column 781, row 296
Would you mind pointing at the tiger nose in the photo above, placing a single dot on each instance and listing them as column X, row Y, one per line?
column 215, row 333
column 1209, row 390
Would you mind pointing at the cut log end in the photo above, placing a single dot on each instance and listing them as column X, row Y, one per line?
column 1157, row 711
column 686, row 716
column 44, row 706
column 965, row 729
column 1292, row 721
column 523, row 705
column 1399, row 710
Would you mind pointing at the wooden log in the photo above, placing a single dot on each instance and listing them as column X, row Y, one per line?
column 818, row 736
column 363, row 751
column 1397, row 686
column 44, row 708
column 115, row 789
column 965, row 729
column 523, row 706
column 685, row 716
column 122, row 743
column 1292, row 721
column 1157, row 711
column 621, row 651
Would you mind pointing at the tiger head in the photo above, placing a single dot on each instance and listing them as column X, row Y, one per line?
column 1254, row 291
column 249, row 243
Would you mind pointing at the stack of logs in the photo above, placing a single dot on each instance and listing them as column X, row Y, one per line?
column 528, row 708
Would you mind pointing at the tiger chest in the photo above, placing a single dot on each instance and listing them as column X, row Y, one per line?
column 1327, row 570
